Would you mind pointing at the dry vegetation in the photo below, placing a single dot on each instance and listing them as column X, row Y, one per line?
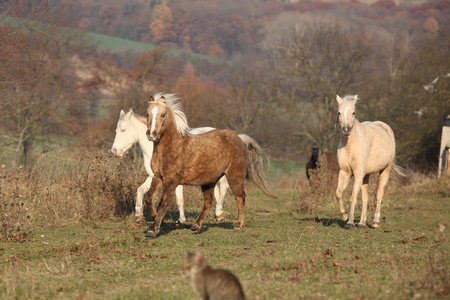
column 95, row 249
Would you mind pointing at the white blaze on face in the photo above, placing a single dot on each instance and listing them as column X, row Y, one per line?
column 154, row 113
column 345, row 115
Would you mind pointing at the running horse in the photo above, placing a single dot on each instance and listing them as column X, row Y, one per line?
column 131, row 129
column 364, row 149
column 198, row 160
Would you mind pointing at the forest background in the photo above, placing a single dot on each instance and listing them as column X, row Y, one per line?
column 270, row 69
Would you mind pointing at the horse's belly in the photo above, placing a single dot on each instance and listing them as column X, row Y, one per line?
column 203, row 173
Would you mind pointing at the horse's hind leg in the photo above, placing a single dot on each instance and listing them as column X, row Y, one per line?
column 343, row 181
column 365, row 200
column 239, row 194
column 219, row 193
column 384, row 177
column 208, row 193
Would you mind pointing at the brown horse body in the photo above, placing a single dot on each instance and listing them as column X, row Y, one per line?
column 198, row 160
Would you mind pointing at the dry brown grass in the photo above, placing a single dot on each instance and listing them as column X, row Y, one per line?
column 98, row 187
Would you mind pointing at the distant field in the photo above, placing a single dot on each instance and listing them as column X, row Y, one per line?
column 116, row 44
column 119, row 44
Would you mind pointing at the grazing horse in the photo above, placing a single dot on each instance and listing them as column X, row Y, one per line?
column 199, row 160
column 131, row 129
column 364, row 148
column 313, row 162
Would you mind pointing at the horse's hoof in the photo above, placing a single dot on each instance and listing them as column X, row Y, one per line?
column 376, row 224
column 349, row 225
column 179, row 224
column 237, row 229
column 139, row 218
column 220, row 218
column 345, row 218
column 195, row 227
column 151, row 234
column 361, row 226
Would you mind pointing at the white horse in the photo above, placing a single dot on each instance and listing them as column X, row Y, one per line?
column 364, row 148
column 131, row 129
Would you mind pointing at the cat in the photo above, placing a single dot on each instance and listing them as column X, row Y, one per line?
column 209, row 283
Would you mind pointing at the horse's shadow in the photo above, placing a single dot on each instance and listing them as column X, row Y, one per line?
column 170, row 223
column 326, row 221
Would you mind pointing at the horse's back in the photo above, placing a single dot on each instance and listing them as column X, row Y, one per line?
column 210, row 154
column 382, row 145
column 379, row 132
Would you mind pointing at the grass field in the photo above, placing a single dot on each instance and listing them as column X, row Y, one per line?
column 65, row 249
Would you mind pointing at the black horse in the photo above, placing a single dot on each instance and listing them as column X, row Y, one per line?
column 313, row 161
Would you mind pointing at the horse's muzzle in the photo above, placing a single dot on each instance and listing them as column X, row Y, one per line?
column 117, row 152
column 152, row 137
column 346, row 130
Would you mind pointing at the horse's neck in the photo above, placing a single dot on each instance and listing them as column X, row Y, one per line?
column 170, row 142
column 146, row 145
column 349, row 141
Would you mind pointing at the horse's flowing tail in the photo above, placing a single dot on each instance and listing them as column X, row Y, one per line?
column 257, row 159
column 400, row 171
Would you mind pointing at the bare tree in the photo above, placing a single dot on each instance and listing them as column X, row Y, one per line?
column 313, row 63
column 34, row 76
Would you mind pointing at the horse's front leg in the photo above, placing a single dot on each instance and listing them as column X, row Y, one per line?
column 344, row 179
column 365, row 201
column 140, row 196
column 155, row 189
column 168, row 193
column 180, row 203
column 359, row 175
column 208, row 193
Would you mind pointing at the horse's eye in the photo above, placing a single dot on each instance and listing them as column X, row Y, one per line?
column 146, row 115
column 339, row 113
column 163, row 115
column 123, row 130
column 353, row 113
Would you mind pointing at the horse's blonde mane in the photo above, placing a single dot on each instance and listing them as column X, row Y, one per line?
column 172, row 102
column 350, row 97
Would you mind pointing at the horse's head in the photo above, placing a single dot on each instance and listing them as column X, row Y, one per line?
column 164, row 112
column 315, row 154
column 346, row 113
column 126, row 134
column 157, row 114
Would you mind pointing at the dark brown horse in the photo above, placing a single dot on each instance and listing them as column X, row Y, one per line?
column 313, row 162
column 198, row 160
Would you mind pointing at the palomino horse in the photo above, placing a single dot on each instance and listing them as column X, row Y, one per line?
column 364, row 148
column 199, row 160
column 131, row 129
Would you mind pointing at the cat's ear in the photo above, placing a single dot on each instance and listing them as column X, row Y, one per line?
column 198, row 255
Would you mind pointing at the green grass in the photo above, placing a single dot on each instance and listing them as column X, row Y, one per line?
column 282, row 254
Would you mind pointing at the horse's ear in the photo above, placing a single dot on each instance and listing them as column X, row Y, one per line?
column 122, row 113
column 355, row 98
column 339, row 99
column 151, row 99
column 162, row 97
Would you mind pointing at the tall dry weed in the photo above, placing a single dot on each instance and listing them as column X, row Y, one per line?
column 322, row 184
column 97, row 187
column 107, row 186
